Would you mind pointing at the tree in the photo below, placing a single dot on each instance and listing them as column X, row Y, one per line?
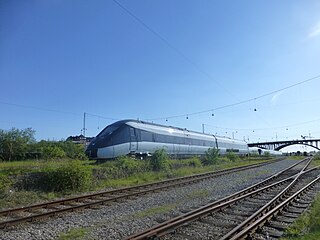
column 14, row 143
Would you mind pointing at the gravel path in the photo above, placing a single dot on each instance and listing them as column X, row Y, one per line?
column 130, row 216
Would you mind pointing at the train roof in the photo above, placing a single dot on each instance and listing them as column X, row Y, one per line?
column 126, row 121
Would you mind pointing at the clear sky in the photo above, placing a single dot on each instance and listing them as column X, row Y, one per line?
column 156, row 59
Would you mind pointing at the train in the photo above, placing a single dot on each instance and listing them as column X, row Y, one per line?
column 140, row 138
column 262, row 151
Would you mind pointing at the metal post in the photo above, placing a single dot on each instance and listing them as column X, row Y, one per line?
column 202, row 127
column 84, row 125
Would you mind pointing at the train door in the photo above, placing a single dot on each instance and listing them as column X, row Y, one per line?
column 133, row 140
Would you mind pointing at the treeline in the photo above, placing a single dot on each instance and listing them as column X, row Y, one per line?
column 20, row 144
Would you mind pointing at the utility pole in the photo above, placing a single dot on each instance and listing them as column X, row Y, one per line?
column 202, row 127
column 84, row 125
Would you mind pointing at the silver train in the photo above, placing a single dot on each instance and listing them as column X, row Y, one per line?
column 132, row 137
column 261, row 151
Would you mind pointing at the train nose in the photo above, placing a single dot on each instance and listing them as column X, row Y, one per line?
column 92, row 153
column 92, row 150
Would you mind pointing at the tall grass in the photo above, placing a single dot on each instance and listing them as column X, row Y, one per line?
column 307, row 226
column 122, row 172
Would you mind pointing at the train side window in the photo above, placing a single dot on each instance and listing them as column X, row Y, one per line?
column 133, row 137
column 146, row 136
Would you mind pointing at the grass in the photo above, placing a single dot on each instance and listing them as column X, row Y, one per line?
column 20, row 167
column 198, row 194
column 155, row 210
column 316, row 160
column 11, row 172
column 12, row 194
column 185, row 170
column 307, row 226
column 75, row 233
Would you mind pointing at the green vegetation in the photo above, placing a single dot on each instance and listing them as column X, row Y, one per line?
column 17, row 145
column 33, row 171
column 211, row 157
column 154, row 211
column 14, row 143
column 307, row 226
column 199, row 193
column 232, row 156
column 316, row 159
column 267, row 154
column 72, row 176
column 75, row 233
column 160, row 161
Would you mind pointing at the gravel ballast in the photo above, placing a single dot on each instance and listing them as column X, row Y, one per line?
column 122, row 219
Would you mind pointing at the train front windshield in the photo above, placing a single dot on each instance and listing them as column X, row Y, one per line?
column 108, row 130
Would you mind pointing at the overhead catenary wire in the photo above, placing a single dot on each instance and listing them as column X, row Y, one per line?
column 201, row 70
column 261, row 129
column 39, row 108
column 236, row 103
column 172, row 47
column 212, row 111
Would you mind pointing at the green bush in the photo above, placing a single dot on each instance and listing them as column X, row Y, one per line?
column 60, row 149
column 160, row 161
column 127, row 165
column 53, row 152
column 317, row 156
column 72, row 150
column 267, row 154
column 5, row 183
column 71, row 176
column 254, row 154
column 194, row 162
column 232, row 156
column 211, row 157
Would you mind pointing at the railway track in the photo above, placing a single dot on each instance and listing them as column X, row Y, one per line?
column 31, row 213
column 237, row 216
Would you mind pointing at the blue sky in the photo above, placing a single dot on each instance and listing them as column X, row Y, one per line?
column 60, row 59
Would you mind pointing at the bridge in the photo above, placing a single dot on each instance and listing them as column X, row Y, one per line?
column 315, row 143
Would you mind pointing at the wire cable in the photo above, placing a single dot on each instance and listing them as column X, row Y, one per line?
column 236, row 103
column 172, row 47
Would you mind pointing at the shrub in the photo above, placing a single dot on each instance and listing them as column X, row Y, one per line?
column 194, row 162
column 160, row 161
column 72, row 176
column 317, row 156
column 52, row 152
column 266, row 154
column 211, row 157
column 232, row 156
column 5, row 183
column 127, row 165
column 254, row 154
column 72, row 150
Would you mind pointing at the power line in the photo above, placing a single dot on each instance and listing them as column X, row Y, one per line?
column 98, row 116
column 39, row 108
column 260, row 129
column 236, row 103
column 171, row 46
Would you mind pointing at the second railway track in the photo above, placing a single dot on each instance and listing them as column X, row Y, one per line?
column 230, row 216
